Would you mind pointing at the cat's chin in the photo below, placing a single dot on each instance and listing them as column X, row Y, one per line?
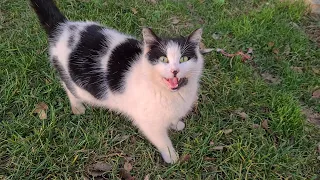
column 175, row 83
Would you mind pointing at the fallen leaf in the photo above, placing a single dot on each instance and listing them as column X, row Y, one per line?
column 185, row 158
column 124, row 174
column 98, row 169
column 209, row 158
column 227, row 131
column 275, row 51
column 244, row 56
column 152, row 1
column 316, row 70
column 297, row 69
column 241, row 114
column 265, row 125
column 147, row 177
column 311, row 116
column 134, row 10
column 127, row 166
column 41, row 110
column 211, row 143
column 316, row 94
column 175, row 20
column 318, row 148
column 270, row 78
column 256, row 126
column 271, row 44
column 218, row 148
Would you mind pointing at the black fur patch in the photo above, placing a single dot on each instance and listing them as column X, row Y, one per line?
column 120, row 61
column 85, row 61
column 187, row 48
column 63, row 74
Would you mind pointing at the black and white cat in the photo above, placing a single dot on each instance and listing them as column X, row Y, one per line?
column 153, row 82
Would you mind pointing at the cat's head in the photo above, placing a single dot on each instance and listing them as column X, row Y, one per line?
column 174, row 61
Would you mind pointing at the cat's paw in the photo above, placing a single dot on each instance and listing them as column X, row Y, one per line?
column 179, row 126
column 79, row 109
column 171, row 157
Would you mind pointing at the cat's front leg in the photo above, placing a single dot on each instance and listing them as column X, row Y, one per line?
column 157, row 134
column 76, row 105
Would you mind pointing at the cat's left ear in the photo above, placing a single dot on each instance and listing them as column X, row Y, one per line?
column 195, row 36
column 149, row 37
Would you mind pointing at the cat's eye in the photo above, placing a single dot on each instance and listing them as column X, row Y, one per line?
column 164, row 59
column 184, row 59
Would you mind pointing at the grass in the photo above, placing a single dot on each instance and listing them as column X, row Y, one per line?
column 63, row 145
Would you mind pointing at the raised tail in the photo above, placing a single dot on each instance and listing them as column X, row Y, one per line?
column 48, row 13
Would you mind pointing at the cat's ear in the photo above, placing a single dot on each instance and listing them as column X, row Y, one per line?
column 149, row 37
column 195, row 36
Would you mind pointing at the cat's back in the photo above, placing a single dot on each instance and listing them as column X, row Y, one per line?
column 95, row 58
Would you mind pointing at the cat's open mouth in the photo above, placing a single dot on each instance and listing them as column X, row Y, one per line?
column 175, row 83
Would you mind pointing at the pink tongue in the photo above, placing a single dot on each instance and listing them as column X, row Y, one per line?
column 173, row 82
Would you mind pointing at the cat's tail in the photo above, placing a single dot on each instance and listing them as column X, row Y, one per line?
column 48, row 13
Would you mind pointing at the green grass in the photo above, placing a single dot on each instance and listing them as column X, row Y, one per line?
column 62, row 146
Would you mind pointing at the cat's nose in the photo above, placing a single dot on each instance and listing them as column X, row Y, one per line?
column 175, row 72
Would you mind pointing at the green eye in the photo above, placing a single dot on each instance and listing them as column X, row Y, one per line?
column 184, row 59
column 164, row 59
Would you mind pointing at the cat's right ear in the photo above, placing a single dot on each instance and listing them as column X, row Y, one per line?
column 149, row 37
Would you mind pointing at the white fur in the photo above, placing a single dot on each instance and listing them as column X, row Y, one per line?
column 147, row 101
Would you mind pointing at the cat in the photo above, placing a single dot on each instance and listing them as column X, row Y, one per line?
column 153, row 82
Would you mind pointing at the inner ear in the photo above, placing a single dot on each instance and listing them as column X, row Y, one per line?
column 195, row 36
column 149, row 37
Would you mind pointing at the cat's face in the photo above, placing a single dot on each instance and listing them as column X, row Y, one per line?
column 175, row 60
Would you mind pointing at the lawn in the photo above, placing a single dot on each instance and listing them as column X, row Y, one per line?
column 248, row 124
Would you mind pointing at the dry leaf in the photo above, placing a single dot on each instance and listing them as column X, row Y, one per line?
column 316, row 94
column 316, row 70
column 312, row 117
column 271, row 44
column 242, row 114
column 41, row 110
column 98, row 169
column 265, row 125
column 270, row 78
column 185, row 158
column 211, row 143
column 318, row 148
column 255, row 126
column 175, row 20
column 124, row 174
column 275, row 51
column 227, row 131
column 152, row 1
column 127, row 166
column 218, row 148
column 209, row 158
column 134, row 10
column 297, row 69
column 147, row 177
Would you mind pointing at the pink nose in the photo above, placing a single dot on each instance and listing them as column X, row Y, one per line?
column 175, row 71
